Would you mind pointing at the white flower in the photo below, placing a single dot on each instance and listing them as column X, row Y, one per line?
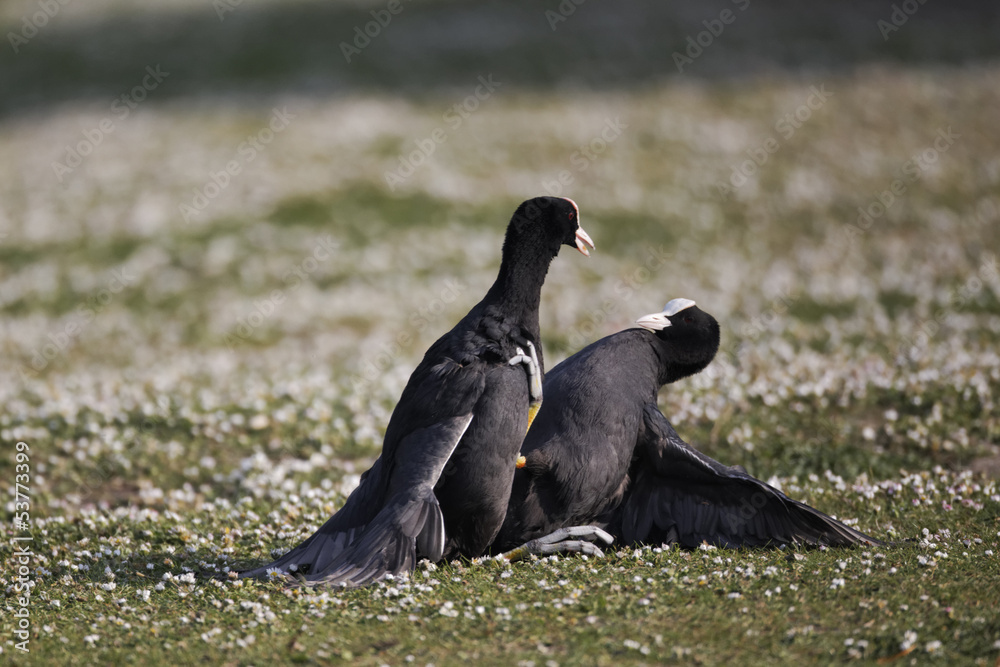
column 258, row 422
column 448, row 609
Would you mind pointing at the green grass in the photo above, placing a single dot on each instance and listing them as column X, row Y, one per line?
column 648, row 605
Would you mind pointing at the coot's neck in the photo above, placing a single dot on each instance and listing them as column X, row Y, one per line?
column 674, row 366
column 517, row 290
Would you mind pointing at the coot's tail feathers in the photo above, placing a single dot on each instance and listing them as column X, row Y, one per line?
column 322, row 547
column 333, row 537
column 408, row 525
column 682, row 496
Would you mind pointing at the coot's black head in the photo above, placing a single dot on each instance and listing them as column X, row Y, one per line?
column 548, row 223
column 689, row 336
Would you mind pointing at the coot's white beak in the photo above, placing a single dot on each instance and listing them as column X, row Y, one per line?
column 660, row 321
column 653, row 321
column 583, row 238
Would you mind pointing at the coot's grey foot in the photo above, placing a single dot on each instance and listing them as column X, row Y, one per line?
column 558, row 542
column 534, row 371
column 530, row 360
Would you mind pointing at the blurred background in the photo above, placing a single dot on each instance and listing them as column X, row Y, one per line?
column 229, row 229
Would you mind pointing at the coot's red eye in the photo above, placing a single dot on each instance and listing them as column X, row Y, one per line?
column 572, row 214
column 688, row 320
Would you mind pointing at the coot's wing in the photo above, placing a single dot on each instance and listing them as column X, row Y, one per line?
column 340, row 530
column 410, row 524
column 393, row 515
column 680, row 495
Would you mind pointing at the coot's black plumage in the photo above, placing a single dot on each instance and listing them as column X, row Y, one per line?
column 600, row 452
column 441, row 484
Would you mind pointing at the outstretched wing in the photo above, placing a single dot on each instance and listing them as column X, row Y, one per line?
column 680, row 495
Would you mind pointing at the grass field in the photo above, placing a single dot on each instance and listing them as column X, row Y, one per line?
column 211, row 297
